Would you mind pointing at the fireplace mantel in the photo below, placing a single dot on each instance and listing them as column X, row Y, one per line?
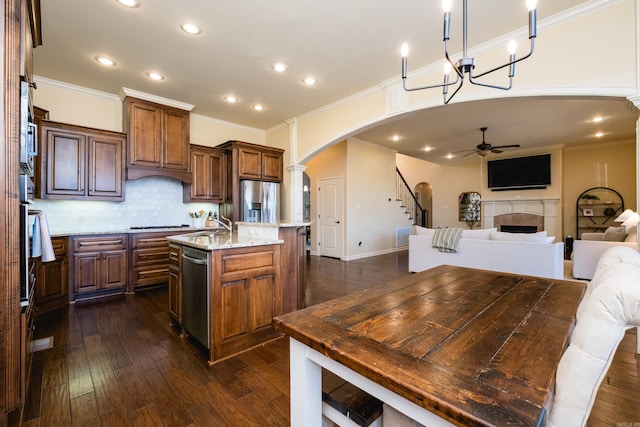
column 549, row 208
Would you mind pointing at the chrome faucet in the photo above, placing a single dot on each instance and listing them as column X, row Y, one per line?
column 226, row 223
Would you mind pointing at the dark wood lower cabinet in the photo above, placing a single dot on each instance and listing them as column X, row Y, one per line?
column 149, row 261
column 293, row 264
column 245, row 296
column 52, row 278
column 99, row 265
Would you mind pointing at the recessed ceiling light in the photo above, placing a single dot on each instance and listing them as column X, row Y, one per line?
column 258, row 107
column 105, row 61
column 309, row 81
column 190, row 27
column 598, row 134
column 231, row 99
column 129, row 3
column 280, row 67
column 155, row 76
column 450, row 156
column 427, row 148
column 597, row 119
column 395, row 138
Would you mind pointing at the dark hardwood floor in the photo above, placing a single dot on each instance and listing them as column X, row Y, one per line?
column 120, row 363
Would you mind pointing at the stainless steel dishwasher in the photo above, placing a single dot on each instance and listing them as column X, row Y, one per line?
column 195, row 293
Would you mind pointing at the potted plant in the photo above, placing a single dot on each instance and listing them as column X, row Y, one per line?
column 589, row 198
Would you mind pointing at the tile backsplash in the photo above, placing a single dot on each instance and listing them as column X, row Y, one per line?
column 149, row 201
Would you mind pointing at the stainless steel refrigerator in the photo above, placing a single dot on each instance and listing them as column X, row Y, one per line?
column 260, row 201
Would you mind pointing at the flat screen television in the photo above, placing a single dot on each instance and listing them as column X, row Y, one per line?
column 531, row 172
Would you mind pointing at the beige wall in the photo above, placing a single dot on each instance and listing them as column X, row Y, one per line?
column 598, row 165
column 371, row 211
column 86, row 107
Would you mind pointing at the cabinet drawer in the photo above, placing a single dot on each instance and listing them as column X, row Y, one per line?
column 149, row 240
column 102, row 243
column 149, row 256
column 152, row 274
column 59, row 246
column 175, row 255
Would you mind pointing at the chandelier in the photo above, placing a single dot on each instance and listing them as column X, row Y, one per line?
column 466, row 64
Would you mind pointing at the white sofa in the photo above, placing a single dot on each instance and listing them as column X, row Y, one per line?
column 489, row 249
column 587, row 252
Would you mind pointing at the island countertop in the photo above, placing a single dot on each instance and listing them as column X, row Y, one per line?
column 215, row 240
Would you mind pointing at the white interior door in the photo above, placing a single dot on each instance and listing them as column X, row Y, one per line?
column 330, row 223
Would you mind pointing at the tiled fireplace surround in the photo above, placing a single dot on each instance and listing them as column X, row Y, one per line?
column 544, row 214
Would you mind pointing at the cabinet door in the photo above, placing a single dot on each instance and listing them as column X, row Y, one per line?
column 208, row 173
column 175, row 139
column 175, row 293
column 114, row 269
column 200, row 169
column 249, row 163
column 65, row 162
column 105, row 166
column 272, row 167
column 217, row 176
column 52, row 279
column 86, row 272
column 145, row 144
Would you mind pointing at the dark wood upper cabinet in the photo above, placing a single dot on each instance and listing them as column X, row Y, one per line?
column 158, row 140
column 208, row 171
column 252, row 162
column 81, row 163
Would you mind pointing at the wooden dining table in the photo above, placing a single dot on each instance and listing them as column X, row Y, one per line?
column 446, row 346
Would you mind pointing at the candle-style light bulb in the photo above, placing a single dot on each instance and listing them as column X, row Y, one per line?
column 404, row 50
column 447, row 71
column 512, row 57
column 446, row 5
column 531, row 4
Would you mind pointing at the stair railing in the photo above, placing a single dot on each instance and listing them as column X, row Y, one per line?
column 408, row 201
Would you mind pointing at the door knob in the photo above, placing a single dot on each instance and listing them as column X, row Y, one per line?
column 337, row 222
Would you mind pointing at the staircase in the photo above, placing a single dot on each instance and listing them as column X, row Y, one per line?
column 408, row 201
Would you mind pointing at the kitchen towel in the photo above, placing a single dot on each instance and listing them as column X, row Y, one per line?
column 41, row 238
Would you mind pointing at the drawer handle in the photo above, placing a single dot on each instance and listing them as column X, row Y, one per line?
column 106, row 242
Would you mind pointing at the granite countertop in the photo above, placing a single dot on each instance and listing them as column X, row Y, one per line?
column 214, row 240
column 273, row 224
column 79, row 232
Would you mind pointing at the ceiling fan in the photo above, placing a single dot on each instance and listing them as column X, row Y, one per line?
column 485, row 148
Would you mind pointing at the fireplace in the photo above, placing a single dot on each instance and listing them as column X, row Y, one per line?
column 528, row 229
column 543, row 214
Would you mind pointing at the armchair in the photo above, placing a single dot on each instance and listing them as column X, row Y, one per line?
column 588, row 250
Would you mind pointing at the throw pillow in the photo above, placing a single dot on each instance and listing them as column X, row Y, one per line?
column 422, row 231
column 550, row 239
column 484, row 234
column 633, row 234
column 615, row 234
column 539, row 237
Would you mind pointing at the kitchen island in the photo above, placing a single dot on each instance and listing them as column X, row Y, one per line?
column 225, row 289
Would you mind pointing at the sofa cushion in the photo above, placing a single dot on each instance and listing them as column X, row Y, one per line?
column 483, row 234
column 615, row 234
column 633, row 234
column 539, row 237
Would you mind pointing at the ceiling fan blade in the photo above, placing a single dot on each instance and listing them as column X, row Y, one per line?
column 467, row 155
column 508, row 146
column 496, row 151
column 462, row 151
